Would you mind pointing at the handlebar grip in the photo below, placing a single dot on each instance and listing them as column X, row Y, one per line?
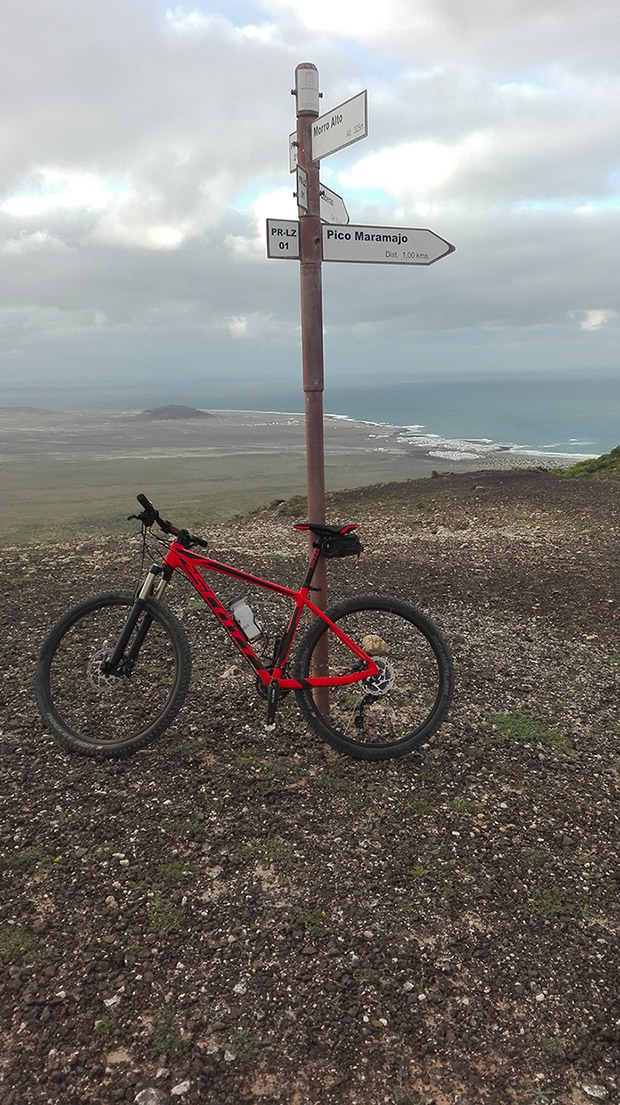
column 151, row 515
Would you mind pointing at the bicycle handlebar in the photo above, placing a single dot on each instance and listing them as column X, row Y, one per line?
column 151, row 516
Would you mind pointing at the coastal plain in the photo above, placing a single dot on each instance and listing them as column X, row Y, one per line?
column 76, row 471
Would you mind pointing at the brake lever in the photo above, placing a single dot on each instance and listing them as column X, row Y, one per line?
column 147, row 518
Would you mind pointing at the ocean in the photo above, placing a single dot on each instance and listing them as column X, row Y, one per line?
column 574, row 416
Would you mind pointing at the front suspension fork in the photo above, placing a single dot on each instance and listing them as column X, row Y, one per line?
column 154, row 585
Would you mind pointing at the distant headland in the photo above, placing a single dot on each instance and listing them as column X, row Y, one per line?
column 170, row 413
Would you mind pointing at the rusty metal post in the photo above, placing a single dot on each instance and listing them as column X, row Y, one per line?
column 311, row 256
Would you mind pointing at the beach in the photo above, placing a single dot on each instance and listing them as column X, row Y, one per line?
column 81, row 470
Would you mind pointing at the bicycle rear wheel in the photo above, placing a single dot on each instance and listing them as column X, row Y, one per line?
column 386, row 716
column 111, row 714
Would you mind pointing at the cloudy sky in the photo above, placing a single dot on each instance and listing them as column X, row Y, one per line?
column 144, row 146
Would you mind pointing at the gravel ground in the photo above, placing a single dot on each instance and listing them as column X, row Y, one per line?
column 231, row 916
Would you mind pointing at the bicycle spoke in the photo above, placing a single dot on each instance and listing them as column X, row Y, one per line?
column 90, row 706
column 395, row 710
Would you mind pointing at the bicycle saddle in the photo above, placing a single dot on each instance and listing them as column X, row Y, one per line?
column 334, row 541
column 325, row 531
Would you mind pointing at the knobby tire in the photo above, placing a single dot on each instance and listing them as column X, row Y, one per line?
column 395, row 713
column 108, row 716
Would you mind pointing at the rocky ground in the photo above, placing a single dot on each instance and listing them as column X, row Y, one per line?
column 231, row 917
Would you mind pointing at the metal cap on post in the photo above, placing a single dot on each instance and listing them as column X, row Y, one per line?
column 307, row 88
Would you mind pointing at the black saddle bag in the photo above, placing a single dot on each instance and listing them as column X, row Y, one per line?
column 342, row 544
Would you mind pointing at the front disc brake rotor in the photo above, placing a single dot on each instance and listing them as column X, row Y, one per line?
column 99, row 679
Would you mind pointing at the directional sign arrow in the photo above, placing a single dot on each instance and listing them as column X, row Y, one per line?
column 340, row 127
column 332, row 206
column 376, row 245
column 384, row 245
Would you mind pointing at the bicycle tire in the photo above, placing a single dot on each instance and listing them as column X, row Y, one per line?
column 109, row 716
column 366, row 720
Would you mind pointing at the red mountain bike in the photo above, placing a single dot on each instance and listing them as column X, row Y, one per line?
column 372, row 675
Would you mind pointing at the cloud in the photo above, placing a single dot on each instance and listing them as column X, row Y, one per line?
column 144, row 147
column 499, row 33
column 57, row 189
column 594, row 319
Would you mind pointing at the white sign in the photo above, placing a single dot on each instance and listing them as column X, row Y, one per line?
column 387, row 245
column 333, row 208
column 302, row 188
column 283, row 238
column 347, row 123
column 292, row 152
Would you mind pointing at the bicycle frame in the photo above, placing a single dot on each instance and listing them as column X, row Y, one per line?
column 191, row 565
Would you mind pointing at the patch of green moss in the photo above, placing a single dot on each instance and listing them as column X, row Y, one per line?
column 517, row 728
column 605, row 467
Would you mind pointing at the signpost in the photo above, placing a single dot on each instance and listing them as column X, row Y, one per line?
column 375, row 245
column 283, row 239
column 302, row 188
column 292, row 151
column 333, row 208
column 384, row 245
column 340, row 127
column 323, row 233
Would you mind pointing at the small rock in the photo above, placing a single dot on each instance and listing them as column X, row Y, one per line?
column 592, row 1090
column 113, row 1058
column 152, row 1096
column 182, row 1088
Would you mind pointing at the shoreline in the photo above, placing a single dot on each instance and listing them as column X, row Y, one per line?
column 421, row 445
column 415, row 438
column 65, row 470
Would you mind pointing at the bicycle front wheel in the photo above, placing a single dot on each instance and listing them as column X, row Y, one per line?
column 392, row 713
column 112, row 714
